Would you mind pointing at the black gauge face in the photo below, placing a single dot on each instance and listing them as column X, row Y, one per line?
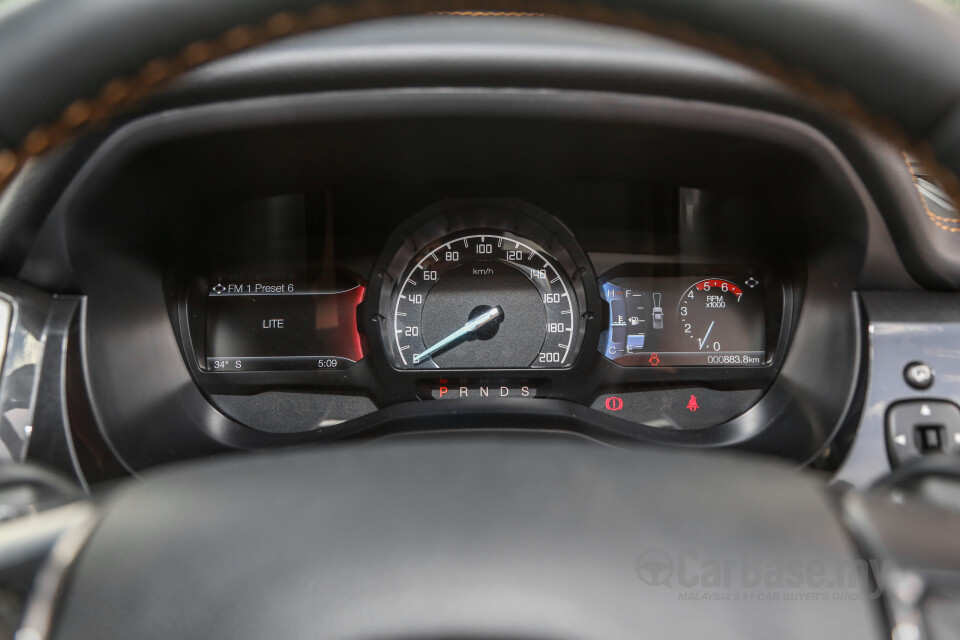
column 719, row 318
column 483, row 300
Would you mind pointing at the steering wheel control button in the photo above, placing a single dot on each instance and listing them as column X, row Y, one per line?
column 930, row 438
column 918, row 428
column 685, row 408
column 918, row 375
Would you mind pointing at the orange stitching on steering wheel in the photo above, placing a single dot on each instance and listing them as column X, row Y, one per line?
column 123, row 94
column 490, row 14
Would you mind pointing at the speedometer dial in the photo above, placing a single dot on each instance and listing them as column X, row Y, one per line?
column 483, row 300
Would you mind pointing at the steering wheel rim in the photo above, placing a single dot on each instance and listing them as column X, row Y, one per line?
column 468, row 539
column 890, row 65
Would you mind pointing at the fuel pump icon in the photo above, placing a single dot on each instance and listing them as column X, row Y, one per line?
column 657, row 312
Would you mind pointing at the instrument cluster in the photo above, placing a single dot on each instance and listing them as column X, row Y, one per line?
column 493, row 300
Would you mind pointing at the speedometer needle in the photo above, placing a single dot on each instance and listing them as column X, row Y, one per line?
column 703, row 341
column 470, row 327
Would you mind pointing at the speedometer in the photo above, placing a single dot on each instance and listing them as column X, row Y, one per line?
column 484, row 300
column 480, row 286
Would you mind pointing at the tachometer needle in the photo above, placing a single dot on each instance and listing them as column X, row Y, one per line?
column 470, row 327
column 703, row 340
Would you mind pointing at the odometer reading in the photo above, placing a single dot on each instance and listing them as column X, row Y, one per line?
column 483, row 301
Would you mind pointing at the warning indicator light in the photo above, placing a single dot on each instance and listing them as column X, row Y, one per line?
column 614, row 403
column 692, row 404
column 654, row 360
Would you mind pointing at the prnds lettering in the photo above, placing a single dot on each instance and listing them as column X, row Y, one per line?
column 482, row 392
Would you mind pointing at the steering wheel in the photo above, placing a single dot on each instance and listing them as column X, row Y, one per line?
column 466, row 539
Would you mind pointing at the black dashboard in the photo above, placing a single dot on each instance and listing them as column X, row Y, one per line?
column 478, row 325
column 644, row 245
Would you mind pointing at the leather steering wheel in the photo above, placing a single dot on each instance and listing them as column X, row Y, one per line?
column 888, row 65
column 466, row 539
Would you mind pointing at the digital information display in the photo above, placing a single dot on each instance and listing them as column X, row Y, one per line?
column 283, row 326
column 683, row 321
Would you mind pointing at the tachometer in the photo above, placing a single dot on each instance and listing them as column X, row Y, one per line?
column 712, row 315
column 483, row 299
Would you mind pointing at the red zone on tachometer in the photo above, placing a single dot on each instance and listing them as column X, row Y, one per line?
column 723, row 285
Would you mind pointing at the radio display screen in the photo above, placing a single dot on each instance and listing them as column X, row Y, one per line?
column 283, row 325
